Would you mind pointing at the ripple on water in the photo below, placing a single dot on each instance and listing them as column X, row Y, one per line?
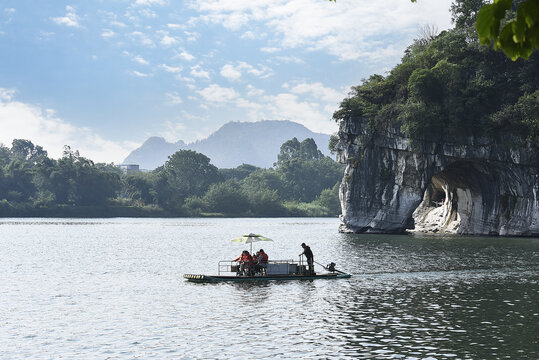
column 83, row 289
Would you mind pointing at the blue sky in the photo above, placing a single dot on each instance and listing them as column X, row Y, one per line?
column 104, row 75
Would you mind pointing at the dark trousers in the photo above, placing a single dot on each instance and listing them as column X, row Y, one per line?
column 310, row 262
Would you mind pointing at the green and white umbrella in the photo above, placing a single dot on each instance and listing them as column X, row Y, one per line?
column 250, row 239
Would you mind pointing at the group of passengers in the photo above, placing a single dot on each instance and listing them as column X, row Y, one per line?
column 251, row 264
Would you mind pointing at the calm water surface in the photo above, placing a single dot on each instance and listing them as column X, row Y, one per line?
column 113, row 289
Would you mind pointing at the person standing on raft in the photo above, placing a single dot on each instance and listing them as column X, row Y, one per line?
column 310, row 257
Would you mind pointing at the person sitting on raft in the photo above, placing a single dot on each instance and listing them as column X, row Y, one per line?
column 246, row 263
column 261, row 261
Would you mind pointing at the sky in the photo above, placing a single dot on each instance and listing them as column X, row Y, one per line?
column 104, row 75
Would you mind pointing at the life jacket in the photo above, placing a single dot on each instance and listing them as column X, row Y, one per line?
column 247, row 258
column 264, row 258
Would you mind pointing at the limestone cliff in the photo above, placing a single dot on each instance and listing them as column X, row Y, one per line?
column 481, row 186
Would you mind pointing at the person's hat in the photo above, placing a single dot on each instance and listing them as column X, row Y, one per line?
column 303, row 244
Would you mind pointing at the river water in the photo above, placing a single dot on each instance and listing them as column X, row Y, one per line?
column 113, row 289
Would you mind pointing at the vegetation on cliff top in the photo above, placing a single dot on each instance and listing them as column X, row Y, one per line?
column 450, row 87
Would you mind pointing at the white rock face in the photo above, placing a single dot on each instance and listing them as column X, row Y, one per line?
column 477, row 188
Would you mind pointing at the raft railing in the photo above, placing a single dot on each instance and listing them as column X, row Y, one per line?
column 274, row 267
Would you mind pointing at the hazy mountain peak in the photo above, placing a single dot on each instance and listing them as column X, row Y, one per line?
column 235, row 143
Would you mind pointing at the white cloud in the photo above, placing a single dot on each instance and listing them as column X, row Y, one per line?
column 167, row 40
column 142, row 38
column 253, row 91
column 270, row 50
column 147, row 13
column 290, row 59
column 289, row 106
column 107, row 33
column 45, row 35
column 248, row 35
column 41, row 126
column 117, row 24
column 173, row 132
column 172, row 69
column 6, row 94
column 185, row 56
column 150, row 2
column 70, row 19
column 191, row 35
column 261, row 72
column 139, row 59
column 230, row 72
column 319, row 92
column 111, row 19
column 139, row 74
column 9, row 15
column 348, row 30
column 234, row 73
column 198, row 72
column 217, row 94
column 310, row 104
column 174, row 98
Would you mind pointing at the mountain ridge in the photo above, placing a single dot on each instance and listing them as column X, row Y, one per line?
column 234, row 143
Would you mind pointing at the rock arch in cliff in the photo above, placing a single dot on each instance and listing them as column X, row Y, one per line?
column 455, row 197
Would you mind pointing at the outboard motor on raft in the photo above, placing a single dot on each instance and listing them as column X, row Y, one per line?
column 331, row 267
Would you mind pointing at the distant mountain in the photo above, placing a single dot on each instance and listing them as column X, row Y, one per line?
column 235, row 143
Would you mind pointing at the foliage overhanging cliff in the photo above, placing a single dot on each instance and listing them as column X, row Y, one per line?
column 450, row 88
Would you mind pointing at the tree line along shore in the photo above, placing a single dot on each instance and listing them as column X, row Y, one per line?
column 302, row 182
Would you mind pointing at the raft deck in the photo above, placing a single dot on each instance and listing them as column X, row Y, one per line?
column 276, row 270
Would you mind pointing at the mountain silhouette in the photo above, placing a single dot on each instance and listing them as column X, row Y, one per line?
column 235, row 143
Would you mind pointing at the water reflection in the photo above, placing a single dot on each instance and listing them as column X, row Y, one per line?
column 113, row 289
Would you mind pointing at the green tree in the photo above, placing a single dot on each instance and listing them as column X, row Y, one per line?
column 289, row 150
column 18, row 184
column 4, row 155
column 238, row 173
column 329, row 198
column 293, row 149
column 464, row 12
column 266, row 202
column 25, row 150
column 304, row 179
column 262, row 180
column 522, row 118
column 227, row 198
column 42, row 171
column 75, row 180
column 138, row 187
column 186, row 173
